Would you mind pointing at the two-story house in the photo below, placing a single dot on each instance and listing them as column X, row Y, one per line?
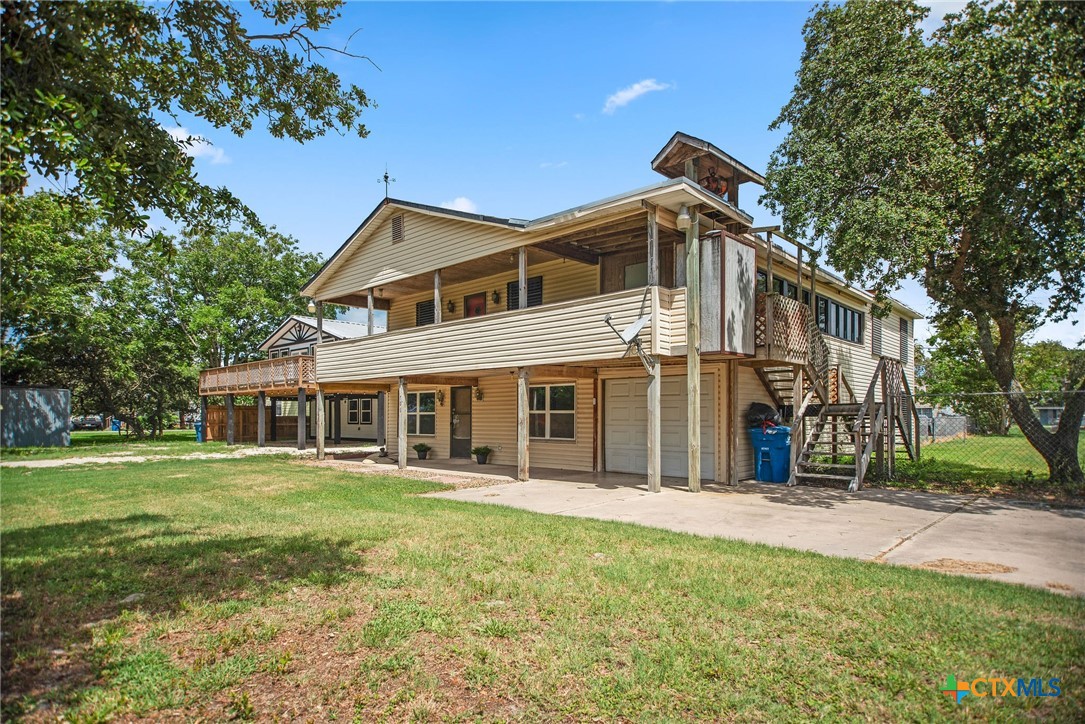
column 629, row 334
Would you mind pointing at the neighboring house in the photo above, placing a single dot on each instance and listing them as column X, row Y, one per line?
column 498, row 335
column 1051, row 416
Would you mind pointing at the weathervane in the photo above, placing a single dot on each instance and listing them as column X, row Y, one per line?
column 386, row 179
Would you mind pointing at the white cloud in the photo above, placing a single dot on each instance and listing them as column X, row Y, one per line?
column 553, row 164
column 198, row 147
column 627, row 95
column 578, row 116
column 461, row 203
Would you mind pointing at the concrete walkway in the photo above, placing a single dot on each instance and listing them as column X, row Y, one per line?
column 989, row 538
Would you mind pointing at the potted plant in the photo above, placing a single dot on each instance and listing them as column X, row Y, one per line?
column 422, row 449
column 481, row 453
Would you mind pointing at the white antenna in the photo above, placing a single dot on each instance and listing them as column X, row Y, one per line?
column 630, row 337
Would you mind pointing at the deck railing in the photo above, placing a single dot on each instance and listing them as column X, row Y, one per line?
column 283, row 374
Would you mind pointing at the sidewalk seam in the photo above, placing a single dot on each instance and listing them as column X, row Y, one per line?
column 881, row 556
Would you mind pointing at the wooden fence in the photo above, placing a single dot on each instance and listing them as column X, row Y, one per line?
column 286, row 426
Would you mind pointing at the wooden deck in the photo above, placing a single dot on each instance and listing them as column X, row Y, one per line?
column 284, row 376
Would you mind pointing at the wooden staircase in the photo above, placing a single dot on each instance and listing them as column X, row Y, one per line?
column 841, row 438
column 833, row 435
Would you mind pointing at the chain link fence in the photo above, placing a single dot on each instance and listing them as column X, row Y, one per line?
column 973, row 439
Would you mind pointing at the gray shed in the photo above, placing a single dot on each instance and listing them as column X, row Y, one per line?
column 35, row 417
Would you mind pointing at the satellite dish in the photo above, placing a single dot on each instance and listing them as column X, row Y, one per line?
column 634, row 329
column 631, row 340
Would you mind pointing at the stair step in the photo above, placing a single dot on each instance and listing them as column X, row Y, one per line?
column 824, row 476
column 839, row 466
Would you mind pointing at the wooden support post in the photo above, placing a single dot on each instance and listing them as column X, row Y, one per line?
column 401, row 424
column 319, row 424
column 769, row 352
column 302, row 424
column 653, row 247
column 369, row 310
column 733, row 425
column 319, row 322
column 261, row 422
column 796, row 422
column 337, row 419
column 813, row 293
column 229, row 419
column 655, row 428
column 693, row 349
column 274, row 420
column 798, row 274
column 438, row 309
column 382, row 432
column 891, row 422
column 880, row 432
column 522, row 266
column 522, row 463
column 203, row 416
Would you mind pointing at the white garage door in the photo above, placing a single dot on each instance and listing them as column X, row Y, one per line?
column 626, row 414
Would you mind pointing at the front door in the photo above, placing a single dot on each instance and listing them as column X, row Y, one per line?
column 461, row 422
column 474, row 305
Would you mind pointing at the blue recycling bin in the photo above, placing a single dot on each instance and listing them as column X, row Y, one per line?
column 115, row 426
column 199, row 431
column 771, row 453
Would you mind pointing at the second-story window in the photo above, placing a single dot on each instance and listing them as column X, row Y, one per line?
column 534, row 293
column 905, row 341
column 839, row 321
column 423, row 313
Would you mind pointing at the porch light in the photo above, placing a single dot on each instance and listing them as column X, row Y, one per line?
column 451, row 306
column 496, row 297
column 312, row 307
column 478, row 394
column 441, row 398
column 683, row 221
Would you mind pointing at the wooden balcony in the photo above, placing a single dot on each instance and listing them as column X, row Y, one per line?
column 561, row 333
column 283, row 375
column 784, row 331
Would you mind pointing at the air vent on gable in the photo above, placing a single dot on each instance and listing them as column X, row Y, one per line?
column 397, row 228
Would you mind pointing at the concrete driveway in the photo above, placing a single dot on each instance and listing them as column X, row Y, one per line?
column 1014, row 542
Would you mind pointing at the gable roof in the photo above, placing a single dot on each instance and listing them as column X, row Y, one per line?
column 337, row 328
column 671, row 157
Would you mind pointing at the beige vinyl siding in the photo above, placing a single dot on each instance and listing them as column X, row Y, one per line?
column 493, row 423
column 749, row 390
column 562, row 280
column 429, row 242
column 551, row 334
column 672, row 319
column 443, row 422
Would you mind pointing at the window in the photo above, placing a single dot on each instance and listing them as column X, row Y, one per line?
column 781, row 286
column 636, row 275
column 904, row 341
column 424, row 313
column 421, row 413
column 360, row 412
column 534, row 293
column 551, row 412
column 876, row 337
column 397, row 228
column 839, row 321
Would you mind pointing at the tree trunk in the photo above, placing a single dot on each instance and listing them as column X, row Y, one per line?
column 1059, row 449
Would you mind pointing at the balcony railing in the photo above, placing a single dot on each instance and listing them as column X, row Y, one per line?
column 784, row 330
column 558, row 333
column 284, row 374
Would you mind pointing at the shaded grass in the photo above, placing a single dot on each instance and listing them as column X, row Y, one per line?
column 104, row 442
column 986, row 464
column 279, row 589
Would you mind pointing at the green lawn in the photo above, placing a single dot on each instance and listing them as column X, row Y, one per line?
column 986, row 464
column 274, row 588
column 92, row 442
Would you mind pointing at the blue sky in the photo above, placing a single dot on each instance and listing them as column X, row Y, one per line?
column 502, row 108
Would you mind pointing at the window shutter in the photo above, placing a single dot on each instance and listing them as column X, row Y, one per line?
column 876, row 336
column 397, row 228
column 423, row 313
column 534, row 293
column 905, row 340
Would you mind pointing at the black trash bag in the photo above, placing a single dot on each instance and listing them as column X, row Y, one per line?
column 761, row 414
